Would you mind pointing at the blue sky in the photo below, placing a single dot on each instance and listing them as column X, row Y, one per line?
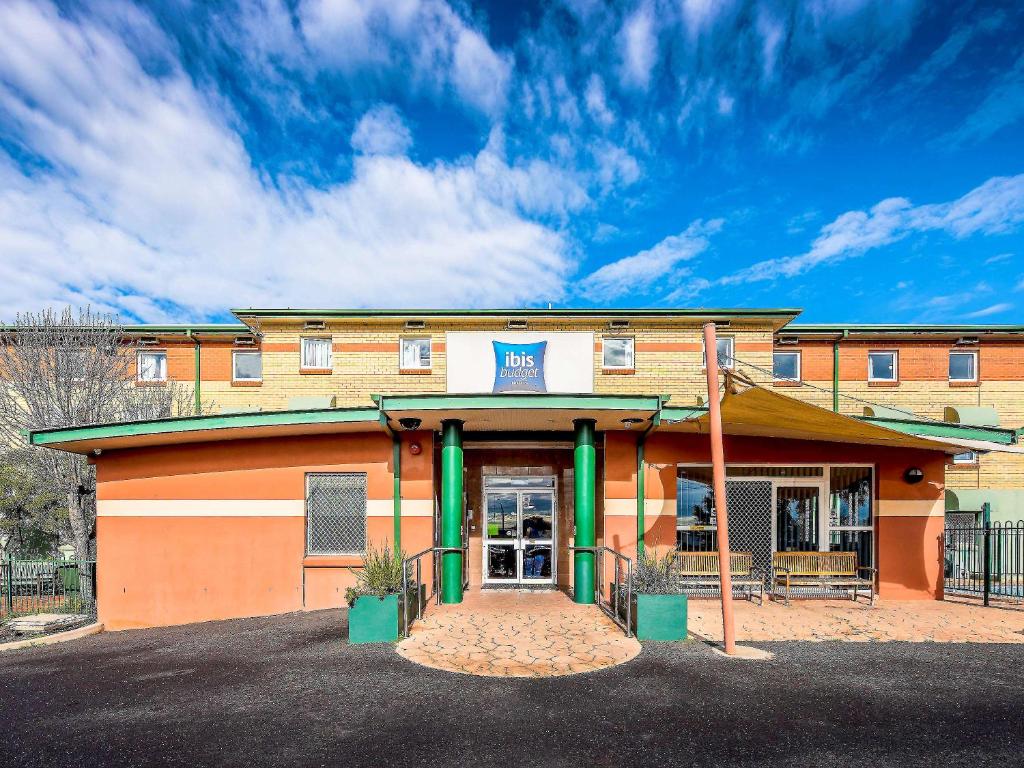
column 861, row 160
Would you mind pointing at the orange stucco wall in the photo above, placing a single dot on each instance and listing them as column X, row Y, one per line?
column 217, row 530
column 908, row 518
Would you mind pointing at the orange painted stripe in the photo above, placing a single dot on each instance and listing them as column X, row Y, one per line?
column 368, row 346
column 268, row 347
column 667, row 346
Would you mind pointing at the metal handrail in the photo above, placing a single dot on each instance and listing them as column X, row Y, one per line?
column 611, row 607
column 417, row 584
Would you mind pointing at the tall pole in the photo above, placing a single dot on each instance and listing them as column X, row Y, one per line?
column 451, row 511
column 584, row 470
column 718, row 472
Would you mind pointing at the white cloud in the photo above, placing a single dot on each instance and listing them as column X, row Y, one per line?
column 422, row 41
column 150, row 203
column 637, row 273
column 597, row 101
column 995, row 207
column 994, row 309
column 638, row 43
column 382, row 131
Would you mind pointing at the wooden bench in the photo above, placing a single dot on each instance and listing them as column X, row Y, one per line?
column 700, row 569
column 822, row 569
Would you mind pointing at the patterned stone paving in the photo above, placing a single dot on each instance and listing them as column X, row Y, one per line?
column 819, row 620
column 517, row 634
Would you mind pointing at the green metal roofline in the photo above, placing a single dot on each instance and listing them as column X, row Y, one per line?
column 539, row 312
column 182, row 328
column 837, row 328
column 203, row 423
column 513, row 401
column 683, row 414
column 940, row 429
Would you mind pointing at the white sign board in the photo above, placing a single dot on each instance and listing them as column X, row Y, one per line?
column 520, row 361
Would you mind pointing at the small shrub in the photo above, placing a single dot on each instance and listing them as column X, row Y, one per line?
column 654, row 575
column 380, row 575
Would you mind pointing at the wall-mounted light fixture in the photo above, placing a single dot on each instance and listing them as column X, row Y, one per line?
column 631, row 421
column 913, row 475
column 410, row 422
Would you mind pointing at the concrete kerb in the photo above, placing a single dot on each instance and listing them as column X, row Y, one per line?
column 60, row 637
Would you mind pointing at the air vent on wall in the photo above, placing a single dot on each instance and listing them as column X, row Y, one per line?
column 787, row 340
column 965, row 340
column 414, row 325
column 517, row 325
column 245, row 341
column 148, row 341
column 618, row 325
column 314, row 325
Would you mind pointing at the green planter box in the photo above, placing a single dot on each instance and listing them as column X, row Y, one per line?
column 373, row 619
column 659, row 617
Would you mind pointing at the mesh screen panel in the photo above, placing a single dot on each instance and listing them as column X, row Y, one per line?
column 335, row 513
column 750, row 520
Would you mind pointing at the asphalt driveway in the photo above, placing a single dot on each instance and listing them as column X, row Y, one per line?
column 289, row 691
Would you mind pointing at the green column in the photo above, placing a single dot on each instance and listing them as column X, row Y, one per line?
column 451, row 510
column 584, row 472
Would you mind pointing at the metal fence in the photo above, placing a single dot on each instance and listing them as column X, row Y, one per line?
column 30, row 586
column 984, row 559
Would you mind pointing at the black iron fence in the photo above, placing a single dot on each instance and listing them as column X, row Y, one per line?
column 983, row 558
column 31, row 586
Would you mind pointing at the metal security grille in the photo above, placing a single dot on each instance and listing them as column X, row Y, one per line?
column 335, row 513
column 750, row 520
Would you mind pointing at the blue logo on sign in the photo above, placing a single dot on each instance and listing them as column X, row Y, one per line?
column 519, row 367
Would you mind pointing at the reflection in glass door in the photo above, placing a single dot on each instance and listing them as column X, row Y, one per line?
column 797, row 519
column 519, row 532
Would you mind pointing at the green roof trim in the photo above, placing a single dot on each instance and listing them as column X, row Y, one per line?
column 683, row 414
column 941, row 429
column 202, row 423
column 512, row 401
column 838, row 328
column 538, row 312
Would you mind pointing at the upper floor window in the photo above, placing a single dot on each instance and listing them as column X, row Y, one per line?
column 963, row 366
column 726, row 352
column 967, row 457
column 247, row 366
column 415, row 354
column 618, row 352
column 883, row 366
column 151, row 365
column 316, row 354
column 786, row 366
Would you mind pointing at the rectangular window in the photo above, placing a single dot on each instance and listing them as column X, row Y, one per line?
column 152, row 366
column 618, row 352
column 963, row 366
column 247, row 366
column 883, row 366
column 415, row 354
column 967, row 457
column 335, row 513
column 851, row 512
column 726, row 352
column 316, row 354
column 786, row 366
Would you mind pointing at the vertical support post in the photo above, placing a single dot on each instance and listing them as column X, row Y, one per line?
column 718, row 472
column 584, row 472
column 986, row 556
column 9, row 596
column 396, row 469
column 641, row 492
column 451, row 510
column 835, row 376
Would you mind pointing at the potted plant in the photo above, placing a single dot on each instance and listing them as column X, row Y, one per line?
column 659, row 604
column 375, row 611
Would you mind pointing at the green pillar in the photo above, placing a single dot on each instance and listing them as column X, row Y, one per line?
column 451, row 510
column 584, row 472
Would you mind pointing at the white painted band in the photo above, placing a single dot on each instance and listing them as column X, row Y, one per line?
column 627, row 507
column 911, row 507
column 417, row 507
column 200, row 508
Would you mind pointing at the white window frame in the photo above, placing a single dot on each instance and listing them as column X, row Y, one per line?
column 967, row 352
column 895, row 364
column 138, row 364
column 418, row 366
column 966, row 462
column 732, row 353
column 302, row 353
column 630, row 353
column 799, row 363
column 234, row 369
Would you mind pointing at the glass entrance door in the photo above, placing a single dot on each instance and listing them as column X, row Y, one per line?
column 798, row 518
column 519, row 532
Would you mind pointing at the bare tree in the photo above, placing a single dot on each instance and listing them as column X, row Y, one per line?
column 67, row 370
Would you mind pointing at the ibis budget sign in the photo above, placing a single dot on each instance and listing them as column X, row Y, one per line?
column 520, row 362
